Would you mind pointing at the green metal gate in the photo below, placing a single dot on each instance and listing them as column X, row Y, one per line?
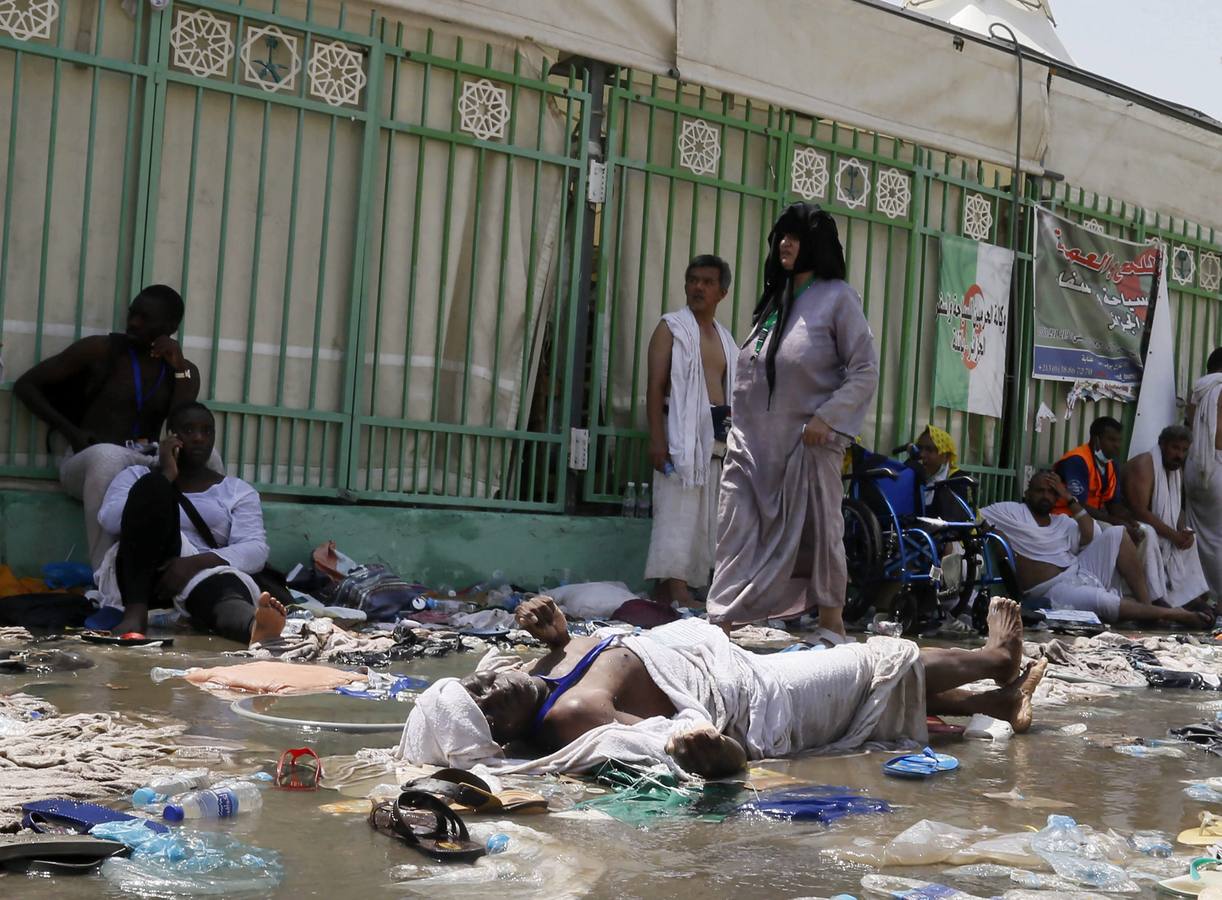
column 375, row 230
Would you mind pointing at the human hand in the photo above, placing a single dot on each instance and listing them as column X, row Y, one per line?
column 1053, row 480
column 542, row 618
column 1136, row 534
column 174, row 577
column 167, row 454
column 1183, row 538
column 659, row 455
column 167, row 349
column 81, row 440
column 816, row 432
column 705, row 751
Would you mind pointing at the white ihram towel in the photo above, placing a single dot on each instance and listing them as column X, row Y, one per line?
column 689, row 427
column 1185, row 578
column 1203, row 479
column 830, row 701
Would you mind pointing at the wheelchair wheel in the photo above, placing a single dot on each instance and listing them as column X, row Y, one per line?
column 863, row 550
column 1009, row 581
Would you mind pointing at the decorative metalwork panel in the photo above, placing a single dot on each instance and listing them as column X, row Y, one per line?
column 202, row 43
column 483, row 110
column 893, row 194
column 270, row 58
column 852, row 183
column 1211, row 272
column 977, row 217
column 808, row 175
column 699, row 147
column 337, row 74
column 26, row 19
column 1183, row 264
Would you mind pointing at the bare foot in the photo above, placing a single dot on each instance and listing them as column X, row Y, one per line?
column 1005, row 641
column 270, row 617
column 135, row 619
column 1019, row 694
column 1193, row 619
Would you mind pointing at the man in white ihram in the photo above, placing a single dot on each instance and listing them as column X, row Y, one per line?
column 1203, row 471
column 691, row 368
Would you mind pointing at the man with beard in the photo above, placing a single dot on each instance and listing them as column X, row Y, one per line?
column 106, row 397
column 1065, row 562
column 1153, row 487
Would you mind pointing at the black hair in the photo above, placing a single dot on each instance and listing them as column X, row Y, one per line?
column 178, row 412
column 709, row 261
column 167, row 298
column 819, row 252
column 1104, row 423
column 1214, row 363
column 1175, row 433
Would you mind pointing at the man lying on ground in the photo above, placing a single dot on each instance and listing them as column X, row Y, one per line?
column 1153, row 487
column 1065, row 562
column 682, row 694
column 162, row 558
column 106, row 396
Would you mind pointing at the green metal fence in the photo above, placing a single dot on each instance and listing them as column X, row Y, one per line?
column 382, row 236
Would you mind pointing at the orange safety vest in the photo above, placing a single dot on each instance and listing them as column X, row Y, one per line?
column 1102, row 486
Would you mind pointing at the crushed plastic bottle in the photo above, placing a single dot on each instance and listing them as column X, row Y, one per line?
column 218, row 803
column 161, row 673
column 1203, row 793
column 1151, row 843
column 1077, row 855
column 1144, row 751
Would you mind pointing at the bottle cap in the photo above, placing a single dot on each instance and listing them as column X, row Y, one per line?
column 143, row 796
column 173, row 813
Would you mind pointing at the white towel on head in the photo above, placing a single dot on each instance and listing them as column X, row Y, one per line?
column 446, row 728
column 689, row 425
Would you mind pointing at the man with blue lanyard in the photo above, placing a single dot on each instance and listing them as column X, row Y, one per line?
column 106, row 397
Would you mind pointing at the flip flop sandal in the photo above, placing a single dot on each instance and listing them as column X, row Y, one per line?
column 130, row 639
column 1209, row 832
column 407, row 819
column 920, row 765
column 64, row 853
column 54, row 816
column 459, row 789
column 1203, row 874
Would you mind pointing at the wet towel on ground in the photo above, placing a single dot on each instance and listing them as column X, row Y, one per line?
column 1185, row 579
column 268, row 677
column 832, row 701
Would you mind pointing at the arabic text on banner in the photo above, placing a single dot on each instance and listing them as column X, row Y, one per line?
column 1092, row 294
column 973, row 321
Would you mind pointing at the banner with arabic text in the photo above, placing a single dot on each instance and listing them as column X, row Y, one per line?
column 1092, row 296
column 973, row 322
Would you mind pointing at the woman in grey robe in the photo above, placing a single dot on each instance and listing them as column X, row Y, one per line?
column 805, row 378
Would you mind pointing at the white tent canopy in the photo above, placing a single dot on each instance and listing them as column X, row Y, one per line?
column 1030, row 20
column 901, row 73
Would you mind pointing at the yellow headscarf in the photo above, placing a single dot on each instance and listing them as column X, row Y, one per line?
column 945, row 444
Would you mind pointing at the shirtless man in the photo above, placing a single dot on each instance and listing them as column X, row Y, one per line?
column 106, row 392
column 1153, row 488
column 691, row 365
column 617, row 687
column 1065, row 562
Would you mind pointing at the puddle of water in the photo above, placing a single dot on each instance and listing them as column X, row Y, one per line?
column 329, row 855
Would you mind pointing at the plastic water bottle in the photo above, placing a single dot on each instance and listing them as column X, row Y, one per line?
column 644, row 503
column 451, row 606
column 218, row 803
column 628, row 507
column 161, row 789
column 161, row 673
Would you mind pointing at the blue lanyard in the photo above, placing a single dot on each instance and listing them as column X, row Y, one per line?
column 139, row 382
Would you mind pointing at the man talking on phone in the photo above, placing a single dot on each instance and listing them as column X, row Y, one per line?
column 106, row 397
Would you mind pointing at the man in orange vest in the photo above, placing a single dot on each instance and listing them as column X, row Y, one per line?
column 1089, row 474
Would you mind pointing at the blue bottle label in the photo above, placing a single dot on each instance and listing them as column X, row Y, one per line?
column 226, row 804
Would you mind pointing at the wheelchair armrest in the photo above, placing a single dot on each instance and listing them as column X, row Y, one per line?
column 883, row 472
column 962, row 479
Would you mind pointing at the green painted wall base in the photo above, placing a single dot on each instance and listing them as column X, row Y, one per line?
column 433, row 546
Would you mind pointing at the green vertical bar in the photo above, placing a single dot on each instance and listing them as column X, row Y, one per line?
column 285, row 302
column 912, row 302
column 52, row 131
column 151, row 139
column 189, row 216
column 86, row 203
column 360, row 264
column 222, row 240
column 10, row 165
column 320, row 295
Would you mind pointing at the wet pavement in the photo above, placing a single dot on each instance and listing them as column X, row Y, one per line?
column 337, row 855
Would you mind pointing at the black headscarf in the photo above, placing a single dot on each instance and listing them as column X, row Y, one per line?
column 819, row 251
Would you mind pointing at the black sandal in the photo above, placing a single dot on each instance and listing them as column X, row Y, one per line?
column 410, row 818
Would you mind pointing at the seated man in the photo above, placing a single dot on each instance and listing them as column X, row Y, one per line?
column 1153, row 487
column 107, row 397
column 683, row 695
column 163, row 558
column 1065, row 562
column 1090, row 474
